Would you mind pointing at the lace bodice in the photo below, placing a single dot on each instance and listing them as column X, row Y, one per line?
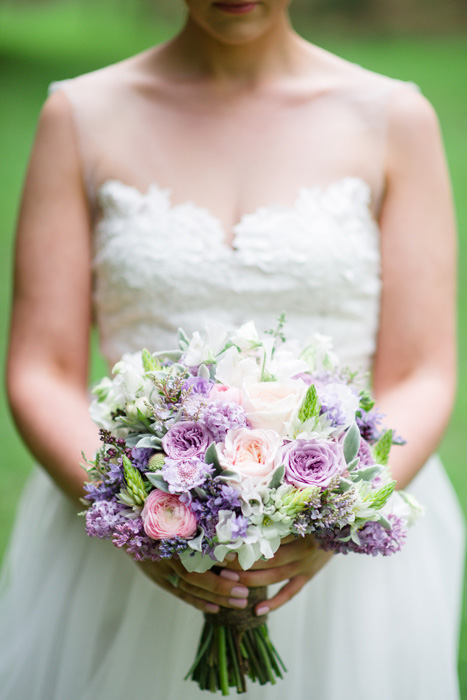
column 162, row 262
column 159, row 266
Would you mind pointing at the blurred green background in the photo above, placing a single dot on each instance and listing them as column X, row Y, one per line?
column 424, row 41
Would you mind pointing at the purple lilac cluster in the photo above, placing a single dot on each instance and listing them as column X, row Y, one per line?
column 221, row 416
column 217, row 496
column 103, row 517
column 369, row 424
column 325, row 511
column 374, row 538
column 131, row 535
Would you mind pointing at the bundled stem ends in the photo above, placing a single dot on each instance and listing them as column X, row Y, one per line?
column 235, row 645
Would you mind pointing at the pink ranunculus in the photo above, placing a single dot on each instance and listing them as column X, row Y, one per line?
column 253, row 454
column 221, row 392
column 164, row 515
column 270, row 405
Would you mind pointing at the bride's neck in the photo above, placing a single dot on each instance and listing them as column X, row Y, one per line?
column 200, row 55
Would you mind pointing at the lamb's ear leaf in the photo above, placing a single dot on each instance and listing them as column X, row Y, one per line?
column 211, row 457
column 203, row 372
column 277, row 477
column 158, row 481
column 351, row 443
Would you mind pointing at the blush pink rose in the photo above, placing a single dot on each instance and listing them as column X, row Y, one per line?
column 164, row 515
column 270, row 405
column 253, row 454
column 221, row 392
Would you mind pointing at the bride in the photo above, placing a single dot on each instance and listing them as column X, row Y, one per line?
column 232, row 173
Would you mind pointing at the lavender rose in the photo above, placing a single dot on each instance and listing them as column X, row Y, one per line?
column 312, row 462
column 186, row 439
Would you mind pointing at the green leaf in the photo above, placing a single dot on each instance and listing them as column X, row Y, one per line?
column 344, row 485
column 384, row 522
column 382, row 496
column 310, row 407
column 157, row 480
column 382, row 448
column 150, row 363
column 203, row 372
column 183, row 340
column 211, row 458
column 366, row 474
column 149, row 441
column 366, row 400
column 196, row 542
column 354, row 463
column 172, row 355
column 277, row 478
column 351, row 443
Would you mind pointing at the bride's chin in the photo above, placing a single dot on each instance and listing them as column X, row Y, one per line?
column 236, row 22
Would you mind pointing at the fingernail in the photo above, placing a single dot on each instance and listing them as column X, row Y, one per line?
column 211, row 608
column 231, row 575
column 238, row 603
column 230, row 557
column 263, row 610
column 239, row 592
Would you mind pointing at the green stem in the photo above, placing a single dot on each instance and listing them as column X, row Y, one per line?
column 202, row 648
column 260, row 645
column 222, row 658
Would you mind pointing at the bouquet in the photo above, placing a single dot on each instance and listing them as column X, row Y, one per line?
column 226, row 446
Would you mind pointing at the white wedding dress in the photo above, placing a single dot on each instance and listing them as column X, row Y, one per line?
column 79, row 621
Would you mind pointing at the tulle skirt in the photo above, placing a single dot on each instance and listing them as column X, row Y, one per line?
column 79, row 621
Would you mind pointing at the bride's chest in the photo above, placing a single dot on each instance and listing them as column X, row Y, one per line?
column 326, row 242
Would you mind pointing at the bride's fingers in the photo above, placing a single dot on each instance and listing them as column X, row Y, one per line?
column 285, row 594
column 266, row 577
column 295, row 550
column 224, row 589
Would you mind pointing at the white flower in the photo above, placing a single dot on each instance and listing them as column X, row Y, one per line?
column 137, row 407
column 405, row 506
column 246, row 337
column 130, row 381
column 233, row 369
column 318, row 353
column 284, row 364
column 270, row 405
column 205, row 350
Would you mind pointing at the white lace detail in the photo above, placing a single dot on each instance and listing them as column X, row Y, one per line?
column 159, row 266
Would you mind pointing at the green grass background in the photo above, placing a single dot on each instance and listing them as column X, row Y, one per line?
column 45, row 43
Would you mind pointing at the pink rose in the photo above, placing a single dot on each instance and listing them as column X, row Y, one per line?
column 164, row 515
column 251, row 453
column 221, row 392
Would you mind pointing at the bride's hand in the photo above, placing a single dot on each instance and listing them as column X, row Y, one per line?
column 207, row 592
column 296, row 561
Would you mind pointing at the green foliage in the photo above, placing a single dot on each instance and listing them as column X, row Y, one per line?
column 382, row 448
column 310, row 407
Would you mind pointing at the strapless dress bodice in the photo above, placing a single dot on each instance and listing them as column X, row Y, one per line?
column 160, row 266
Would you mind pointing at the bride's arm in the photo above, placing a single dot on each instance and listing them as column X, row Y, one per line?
column 415, row 364
column 48, row 356
column 414, row 369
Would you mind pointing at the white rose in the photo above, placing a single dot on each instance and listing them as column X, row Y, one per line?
column 271, row 405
